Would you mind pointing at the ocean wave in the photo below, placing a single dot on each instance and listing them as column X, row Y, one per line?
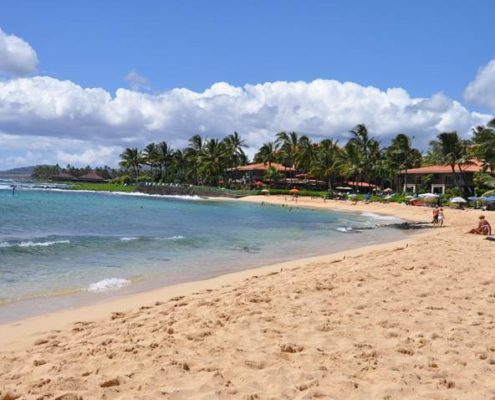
column 344, row 229
column 380, row 217
column 177, row 237
column 33, row 244
column 108, row 284
column 104, row 192
column 127, row 239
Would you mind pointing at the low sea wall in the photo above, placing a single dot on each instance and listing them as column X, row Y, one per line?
column 190, row 190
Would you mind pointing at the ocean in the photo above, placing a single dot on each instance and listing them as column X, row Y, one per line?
column 61, row 248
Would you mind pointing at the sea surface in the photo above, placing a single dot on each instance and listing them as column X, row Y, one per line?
column 62, row 248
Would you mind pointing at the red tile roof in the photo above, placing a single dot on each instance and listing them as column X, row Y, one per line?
column 444, row 169
column 263, row 167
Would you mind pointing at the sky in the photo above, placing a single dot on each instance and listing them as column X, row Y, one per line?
column 80, row 81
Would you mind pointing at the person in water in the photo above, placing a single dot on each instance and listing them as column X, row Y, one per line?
column 483, row 228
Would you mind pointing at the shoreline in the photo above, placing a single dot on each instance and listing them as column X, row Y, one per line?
column 29, row 330
column 19, row 309
column 403, row 319
column 59, row 318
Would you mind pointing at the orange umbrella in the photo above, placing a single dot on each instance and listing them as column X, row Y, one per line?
column 294, row 191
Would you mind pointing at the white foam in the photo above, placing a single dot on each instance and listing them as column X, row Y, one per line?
column 34, row 244
column 104, row 192
column 127, row 239
column 108, row 284
column 344, row 229
column 380, row 217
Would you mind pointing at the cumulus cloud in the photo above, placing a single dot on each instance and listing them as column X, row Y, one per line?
column 17, row 57
column 18, row 151
column 50, row 108
column 481, row 90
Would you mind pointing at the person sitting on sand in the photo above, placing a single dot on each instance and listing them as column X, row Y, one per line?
column 483, row 228
column 435, row 215
column 440, row 217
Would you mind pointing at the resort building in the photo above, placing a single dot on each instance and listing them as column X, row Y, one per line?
column 251, row 173
column 437, row 178
column 91, row 177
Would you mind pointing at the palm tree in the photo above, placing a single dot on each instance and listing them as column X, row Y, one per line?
column 288, row 144
column 454, row 152
column 366, row 147
column 150, row 156
column 213, row 161
column 305, row 154
column 164, row 156
column 234, row 146
column 132, row 159
column 324, row 166
column 193, row 155
column 484, row 145
column 401, row 156
column 266, row 154
column 349, row 162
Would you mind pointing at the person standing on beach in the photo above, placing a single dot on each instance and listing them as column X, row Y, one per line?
column 440, row 217
column 435, row 215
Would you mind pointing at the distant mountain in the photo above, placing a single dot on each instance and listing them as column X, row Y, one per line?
column 21, row 172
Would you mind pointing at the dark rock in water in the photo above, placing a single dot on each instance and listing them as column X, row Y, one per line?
column 411, row 225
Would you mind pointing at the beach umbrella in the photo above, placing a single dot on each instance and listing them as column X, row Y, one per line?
column 489, row 199
column 472, row 198
column 428, row 195
column 265, row 191
column 387, row 190
column 294, row 191
column 457, row 200
column 343, row 188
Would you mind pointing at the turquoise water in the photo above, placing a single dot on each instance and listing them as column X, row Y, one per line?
column 54, row 242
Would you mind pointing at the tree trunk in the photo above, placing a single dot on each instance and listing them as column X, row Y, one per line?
column 454, row 175
column 466, row 189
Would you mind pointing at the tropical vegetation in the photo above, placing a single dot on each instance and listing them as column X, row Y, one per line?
column 210, row 161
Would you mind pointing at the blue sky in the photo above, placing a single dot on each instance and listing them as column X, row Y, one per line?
column 422, row 47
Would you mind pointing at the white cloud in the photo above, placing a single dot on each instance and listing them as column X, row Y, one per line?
column 481, row 90
column 48, row 108
column 18, row 151
column 17, row 57
column 137, row 81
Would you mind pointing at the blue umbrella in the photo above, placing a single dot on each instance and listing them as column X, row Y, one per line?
column 473, row 198
column 489, row 198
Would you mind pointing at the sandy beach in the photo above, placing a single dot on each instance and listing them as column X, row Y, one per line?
column 412, row 319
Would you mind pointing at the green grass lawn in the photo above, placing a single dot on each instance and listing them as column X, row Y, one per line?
column 107, row 187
